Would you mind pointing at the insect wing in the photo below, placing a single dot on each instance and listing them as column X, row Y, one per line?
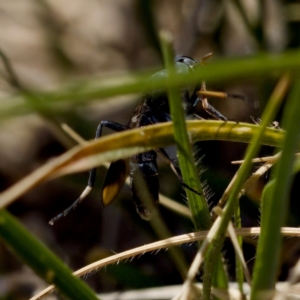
column 114, row 180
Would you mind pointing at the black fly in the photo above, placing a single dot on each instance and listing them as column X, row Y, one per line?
column 142, row 168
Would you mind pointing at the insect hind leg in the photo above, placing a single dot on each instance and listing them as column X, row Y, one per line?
column 92, row 174
column 71, row 207
column 113, row 126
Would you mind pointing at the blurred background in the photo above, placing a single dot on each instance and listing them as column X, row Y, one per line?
column 53, row 44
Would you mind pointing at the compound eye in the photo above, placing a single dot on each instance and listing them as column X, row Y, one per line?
column 186, row 60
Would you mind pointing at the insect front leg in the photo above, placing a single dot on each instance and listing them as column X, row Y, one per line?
column 209, row 108
column 92, row 174
column 172, row 161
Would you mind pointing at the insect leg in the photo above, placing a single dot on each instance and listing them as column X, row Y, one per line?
column 113, row 126
column 144, row 183
column 92, row 174
column 220, row 95
column 173, row 165
column 209, row 108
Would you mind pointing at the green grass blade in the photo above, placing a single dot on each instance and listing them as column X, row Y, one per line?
column 238, row 265
column 197, row 203
column 267, row 118
column 250, row 67
column 275, row 204
column 41, row 259
column 220, row 71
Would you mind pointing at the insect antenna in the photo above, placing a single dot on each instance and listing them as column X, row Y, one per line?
column 237, row 96
column 72, row 207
